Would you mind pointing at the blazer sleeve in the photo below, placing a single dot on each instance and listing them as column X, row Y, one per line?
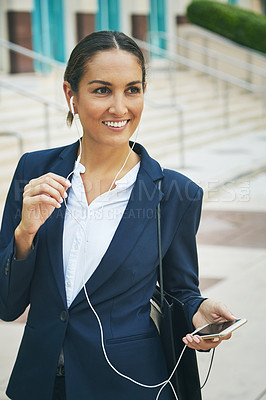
column 15, row 275
column 180, row 262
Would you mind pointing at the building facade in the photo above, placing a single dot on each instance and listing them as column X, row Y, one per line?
column 53, row 27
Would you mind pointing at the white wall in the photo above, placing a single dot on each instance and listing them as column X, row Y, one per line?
column 5, row 6
column 138, row 6
column 250, row 5
column 130, row 7
column 256, row 6
column 86, row 6
column 180, row 6
column 71, row 8
column 18, row 5
column 172, row 11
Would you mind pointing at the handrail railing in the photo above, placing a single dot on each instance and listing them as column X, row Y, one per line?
column 202, row 68
column 40, row 99
column 170, row 56
column 31, row 54
column 214, row 36
column 47, row 103
column 206, row 69
column 212, row 53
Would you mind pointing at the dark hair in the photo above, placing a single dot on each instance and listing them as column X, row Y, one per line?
column 89, row 46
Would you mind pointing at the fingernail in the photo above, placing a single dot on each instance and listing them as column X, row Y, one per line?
column 190, row 339
column 216, row 340
column 68, row 183
column 185, row 341
column 65, row 195
column 196, row 339
column 61, row 200
column 58, row 205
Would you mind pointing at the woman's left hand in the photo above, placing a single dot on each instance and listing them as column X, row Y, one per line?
column 210, row 311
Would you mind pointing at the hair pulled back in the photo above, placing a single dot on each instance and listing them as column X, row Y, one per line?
column 92, row 44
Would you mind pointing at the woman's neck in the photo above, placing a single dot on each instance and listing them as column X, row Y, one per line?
column 106, row 160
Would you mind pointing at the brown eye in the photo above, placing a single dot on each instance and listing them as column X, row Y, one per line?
column 102, row 90
column 134, row 90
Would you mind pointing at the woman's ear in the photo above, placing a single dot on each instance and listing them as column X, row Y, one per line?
column 68, row 92
column 69, row 95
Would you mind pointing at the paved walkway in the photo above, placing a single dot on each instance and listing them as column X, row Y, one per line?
column 232, row 251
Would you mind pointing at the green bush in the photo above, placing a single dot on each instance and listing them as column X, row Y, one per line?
column 241, row 26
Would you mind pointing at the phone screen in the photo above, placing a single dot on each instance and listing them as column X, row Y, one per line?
column 216, row 328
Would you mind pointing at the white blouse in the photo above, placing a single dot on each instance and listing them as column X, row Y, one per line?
column 99, row 222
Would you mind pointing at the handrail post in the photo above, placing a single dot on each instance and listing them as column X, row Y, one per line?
column 249, row 77
column 20, row 143
column 47, row 125
column 216, row 79
column 263, row 109
column 206, row 56
column 181, row 137
column 172, row 80
column 226, row 105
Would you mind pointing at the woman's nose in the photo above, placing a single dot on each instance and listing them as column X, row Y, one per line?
column 118, row 106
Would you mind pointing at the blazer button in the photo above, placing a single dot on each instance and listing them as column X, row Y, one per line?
column 7, row 266
column 63, row 316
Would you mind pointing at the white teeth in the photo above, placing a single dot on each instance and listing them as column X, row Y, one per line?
column 115, row 124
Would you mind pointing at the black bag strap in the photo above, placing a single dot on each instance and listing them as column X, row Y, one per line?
column 159, row 185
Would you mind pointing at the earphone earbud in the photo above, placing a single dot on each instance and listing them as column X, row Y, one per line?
column 73, row 113
column 72, row 105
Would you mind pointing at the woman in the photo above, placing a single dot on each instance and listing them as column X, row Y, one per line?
column 84, row 216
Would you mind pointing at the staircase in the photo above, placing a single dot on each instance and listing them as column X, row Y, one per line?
column 200, row 97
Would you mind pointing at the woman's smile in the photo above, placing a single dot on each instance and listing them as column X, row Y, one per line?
column 116, row 125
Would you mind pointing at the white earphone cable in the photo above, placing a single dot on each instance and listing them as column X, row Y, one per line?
column 167, row 381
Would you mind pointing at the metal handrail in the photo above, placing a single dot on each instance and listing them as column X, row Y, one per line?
column 151, row 48
column 214, row 54
column 171, row 57
column 32, row 95
column 202, row 68
column 40, row 99
column 16, row 135
column 214, row 36
column 219, row 75
column 31, row 54
column 47, row 103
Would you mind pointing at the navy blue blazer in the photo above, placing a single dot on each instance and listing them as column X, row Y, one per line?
column 120, row 289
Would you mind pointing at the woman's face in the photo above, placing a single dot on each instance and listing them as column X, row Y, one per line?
column 110, row 98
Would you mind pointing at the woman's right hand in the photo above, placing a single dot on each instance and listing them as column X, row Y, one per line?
column 40, row 198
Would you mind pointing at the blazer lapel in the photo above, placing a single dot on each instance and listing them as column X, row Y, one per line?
column 141, row 207
column 63, row 165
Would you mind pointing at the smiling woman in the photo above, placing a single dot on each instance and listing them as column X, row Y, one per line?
column 108, row 101
column 80, row 244
column 92, row 44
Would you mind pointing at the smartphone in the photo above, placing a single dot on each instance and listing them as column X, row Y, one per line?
column 219, row 329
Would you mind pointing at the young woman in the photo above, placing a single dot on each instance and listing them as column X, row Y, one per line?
column 79, row 243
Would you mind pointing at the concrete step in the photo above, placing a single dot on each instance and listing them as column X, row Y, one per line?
column 162, row 145
column 223, row 47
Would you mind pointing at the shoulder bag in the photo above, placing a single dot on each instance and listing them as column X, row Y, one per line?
column 170, row 319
